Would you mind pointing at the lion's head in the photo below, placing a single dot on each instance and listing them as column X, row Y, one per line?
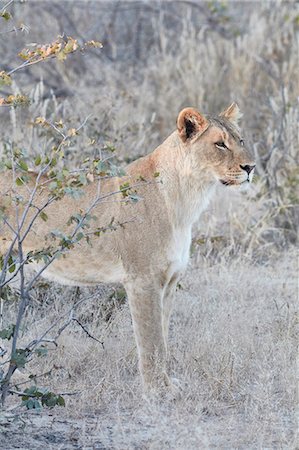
column 216, row 144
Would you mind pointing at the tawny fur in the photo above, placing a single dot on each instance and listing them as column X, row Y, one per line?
column 149, row 253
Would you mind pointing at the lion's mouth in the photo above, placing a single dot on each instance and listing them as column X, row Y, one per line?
column 235, row 182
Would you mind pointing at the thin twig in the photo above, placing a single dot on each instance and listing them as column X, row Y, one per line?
column 6, row 6
column 33, row 378
column 29, row 63
column 34, row 343
column 25, row 394
column 87, row 332
column 12, row 30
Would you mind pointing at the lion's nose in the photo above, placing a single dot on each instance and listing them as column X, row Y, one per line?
column 247, row 168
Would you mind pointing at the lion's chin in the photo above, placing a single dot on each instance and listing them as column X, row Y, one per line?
column 237, row 184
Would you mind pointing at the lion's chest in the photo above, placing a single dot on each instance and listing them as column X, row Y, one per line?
column 178, row 251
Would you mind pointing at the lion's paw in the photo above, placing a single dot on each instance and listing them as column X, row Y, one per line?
column 163, row 389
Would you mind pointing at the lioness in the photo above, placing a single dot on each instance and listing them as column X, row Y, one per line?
column 149, row 252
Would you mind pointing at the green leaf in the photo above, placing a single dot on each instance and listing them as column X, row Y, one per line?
column 41, row 351
column 74, row 192
column 20, row 181
column 30, row 391
column 79, row 236
column 121, row 172
column 29, row 403
column 101, row 168
column 11, row 264
column 51, row 400
column 35, row 398
column 53, row 185
column 119, row 294
column 61, row 56
column 19, row 357
column 5, row 79
column 82, row 179
column 124, row 188
column 7, row 333
column 53, row 162
column 60, row 401
column 43, row 216
column 69, row 47
column 23, row 165
column 134, row 198
column 36, row 404
column 32, row 403
column 110, row 147
column 38, row 160
column 5, row 15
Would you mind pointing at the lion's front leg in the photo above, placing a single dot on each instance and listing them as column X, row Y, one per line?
column 167, row 302
column 145, row 300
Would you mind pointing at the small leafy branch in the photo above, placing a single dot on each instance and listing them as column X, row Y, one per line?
column 50, row 174
column 47, row 173
column 34, row 398
column 59, row 183
column 4, row 13
column 60, row 49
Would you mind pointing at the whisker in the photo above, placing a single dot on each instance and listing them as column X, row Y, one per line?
column 234, row 177
column 235, row 174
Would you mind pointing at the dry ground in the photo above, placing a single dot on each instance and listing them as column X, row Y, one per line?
column 233, row 331
column 232, row 344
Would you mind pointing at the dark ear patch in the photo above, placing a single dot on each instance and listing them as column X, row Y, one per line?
column 189, row 128
column 190, row 123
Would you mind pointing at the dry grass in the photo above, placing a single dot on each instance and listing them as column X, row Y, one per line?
column 233, row 331
column 232, row 343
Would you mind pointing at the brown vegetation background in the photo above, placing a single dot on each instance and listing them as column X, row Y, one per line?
column 233, row 332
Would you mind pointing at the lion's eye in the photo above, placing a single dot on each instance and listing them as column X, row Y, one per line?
column 221, row 145
column 242, row 142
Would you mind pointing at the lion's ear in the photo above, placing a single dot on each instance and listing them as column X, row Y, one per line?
column 190, row 123
column 233, row 114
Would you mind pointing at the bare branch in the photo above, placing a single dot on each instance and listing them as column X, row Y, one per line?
column 69, row 313
column 87, row 332
column 15, row 30
column 6, row 6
